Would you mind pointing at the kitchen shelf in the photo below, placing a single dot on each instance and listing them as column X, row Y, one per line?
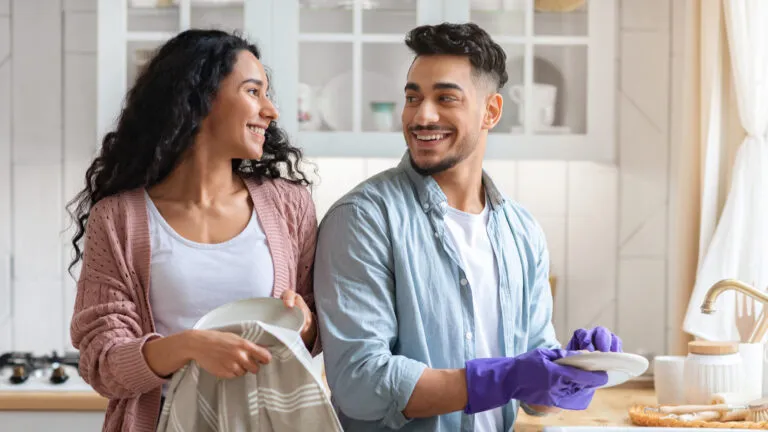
column 392, row 145
column 348, row 37
column 170, row 11
column 152, row 11
column 148, row 36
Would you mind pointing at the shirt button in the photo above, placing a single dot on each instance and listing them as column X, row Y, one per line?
column 463, row 282
column 468, row 335
column 425, row 206
column 437, row 234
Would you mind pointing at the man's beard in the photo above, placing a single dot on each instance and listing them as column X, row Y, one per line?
column 464, row 150
column 439, row 167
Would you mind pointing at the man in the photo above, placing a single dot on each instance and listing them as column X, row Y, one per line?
column 431, row 288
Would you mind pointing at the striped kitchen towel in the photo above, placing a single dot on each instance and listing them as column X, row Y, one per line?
column 285, row 395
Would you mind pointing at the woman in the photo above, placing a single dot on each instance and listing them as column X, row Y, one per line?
column 196, row 200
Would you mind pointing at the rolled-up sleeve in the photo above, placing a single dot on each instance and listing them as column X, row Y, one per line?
column 355, row 299
column 541, row 331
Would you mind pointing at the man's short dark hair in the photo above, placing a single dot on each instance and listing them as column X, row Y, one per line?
column 469, row 40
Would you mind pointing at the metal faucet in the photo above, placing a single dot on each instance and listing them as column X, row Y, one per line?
column 708, row 307
column 714, row 292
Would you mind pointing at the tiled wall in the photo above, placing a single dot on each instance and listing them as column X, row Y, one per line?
column 644, row 103
column 605, row 224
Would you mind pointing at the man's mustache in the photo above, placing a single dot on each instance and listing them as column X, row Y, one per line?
column 429, row 128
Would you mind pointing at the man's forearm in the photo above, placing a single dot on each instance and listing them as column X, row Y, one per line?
column 438, row 391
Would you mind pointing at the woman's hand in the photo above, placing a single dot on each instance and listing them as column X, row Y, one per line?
column 309, row 329
column 227, row 355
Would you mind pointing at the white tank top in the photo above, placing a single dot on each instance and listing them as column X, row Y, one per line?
column 189, row 279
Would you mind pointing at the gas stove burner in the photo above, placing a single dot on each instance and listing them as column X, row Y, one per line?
column 59, row 375
column 47, row 372
column 20, row 375
column 52, row 366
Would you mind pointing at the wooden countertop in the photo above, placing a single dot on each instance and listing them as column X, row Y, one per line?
column 609, row 407
column 51, row 401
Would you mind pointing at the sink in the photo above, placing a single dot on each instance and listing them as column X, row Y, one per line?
column 627, row 429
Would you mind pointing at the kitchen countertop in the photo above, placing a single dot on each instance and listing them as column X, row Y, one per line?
column 609, row 407
column 51, row 401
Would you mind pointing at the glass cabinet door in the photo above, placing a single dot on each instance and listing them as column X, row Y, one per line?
column 505, row 22
column 130, row 31
column 560, row 55
column 385, row 63
column 152, row 22
column 352, row 69
column 558, row 102
column 546, row 63
column 338, row 67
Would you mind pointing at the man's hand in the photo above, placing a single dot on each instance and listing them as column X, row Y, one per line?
column 596, row 339
column 533, row 378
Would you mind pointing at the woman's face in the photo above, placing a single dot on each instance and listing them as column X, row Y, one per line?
column 240, row 112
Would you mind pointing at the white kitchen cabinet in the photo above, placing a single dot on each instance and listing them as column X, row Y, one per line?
column 60, row 421
column 338, row 67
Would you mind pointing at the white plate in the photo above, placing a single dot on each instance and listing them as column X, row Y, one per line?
column 620, row 367
column 335, row 99
column 267, row 309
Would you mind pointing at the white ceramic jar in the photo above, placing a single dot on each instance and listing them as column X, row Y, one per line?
column 712, row 367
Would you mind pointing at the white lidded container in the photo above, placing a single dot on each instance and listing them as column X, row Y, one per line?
column 712, row 367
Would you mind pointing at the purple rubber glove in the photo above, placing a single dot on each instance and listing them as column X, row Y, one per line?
column 532, row 378
column 596, row 339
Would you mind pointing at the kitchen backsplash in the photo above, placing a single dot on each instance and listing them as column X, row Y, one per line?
column 605, row 224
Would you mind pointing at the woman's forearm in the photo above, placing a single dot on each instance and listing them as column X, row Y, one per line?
column 168, row 354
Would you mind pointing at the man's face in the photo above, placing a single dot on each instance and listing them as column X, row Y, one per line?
column 445, row 112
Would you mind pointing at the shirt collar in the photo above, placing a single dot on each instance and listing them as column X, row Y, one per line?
column 431, row 196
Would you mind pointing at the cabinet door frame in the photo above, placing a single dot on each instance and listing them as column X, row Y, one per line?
column 274, row 26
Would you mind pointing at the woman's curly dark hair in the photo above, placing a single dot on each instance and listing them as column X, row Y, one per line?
column 162, row 115
column 466, row 39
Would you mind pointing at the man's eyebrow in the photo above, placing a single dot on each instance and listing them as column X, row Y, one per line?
column 437, row 86
column 447, row 86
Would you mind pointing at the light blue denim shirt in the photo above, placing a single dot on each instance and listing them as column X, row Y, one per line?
column 392, row 298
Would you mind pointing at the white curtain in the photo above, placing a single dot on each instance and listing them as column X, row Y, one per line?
column 738, row 248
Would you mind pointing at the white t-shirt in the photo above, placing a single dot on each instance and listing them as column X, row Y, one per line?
column 469, row 236
column 189, row 279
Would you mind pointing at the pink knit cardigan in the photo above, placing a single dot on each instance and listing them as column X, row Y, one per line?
column 112, row 318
